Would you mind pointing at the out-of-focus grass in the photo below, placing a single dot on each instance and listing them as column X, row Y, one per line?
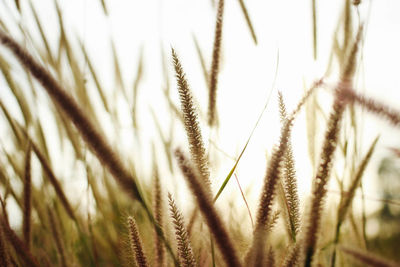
column 117, row 225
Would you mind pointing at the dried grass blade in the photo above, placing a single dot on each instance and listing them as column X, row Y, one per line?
column 54, row 182
column 314, row 24
column 16, row 91
column 12, row 124
column 95, row 78
column 136, row 83
column 202, row 60
column 245, row 201
column 103, row 4
column 248, row 20
column 117, row 72
column 43, row 36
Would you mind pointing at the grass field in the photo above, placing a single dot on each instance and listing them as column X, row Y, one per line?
column 151, row 157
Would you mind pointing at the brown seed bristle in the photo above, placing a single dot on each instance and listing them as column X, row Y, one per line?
column 136, row 243
column 207, row 208
column 186, row 257
column 193, row 132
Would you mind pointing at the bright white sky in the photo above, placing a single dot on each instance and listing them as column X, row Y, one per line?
column 247, row 71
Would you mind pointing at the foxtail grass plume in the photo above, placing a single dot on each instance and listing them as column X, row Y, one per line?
column 186, row 257
column 256, row 254
column 93, row 138
column 136, row 244
column 372, row 105
column 290, row 180
column 190, row 118
column 326, row 158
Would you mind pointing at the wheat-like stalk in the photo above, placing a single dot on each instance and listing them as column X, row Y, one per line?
column 193, row 132
column 326, row 158
column 136, row 244
column 256, row 253
column 185, row 252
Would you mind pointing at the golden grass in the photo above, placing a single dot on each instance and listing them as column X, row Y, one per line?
column 122, row 229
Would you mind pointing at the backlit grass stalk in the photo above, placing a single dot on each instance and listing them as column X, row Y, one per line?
column 20, row 248
column 186, row 257
column 248, row 20
column 209, row 212
column 27, row 195
column 373, row 106
column 290, row 180
column 326, row 158
column 321, row 180
column 136, row 244
column 216, row 57
column 368, row 258
column 256, row 253
column 93, row 138
column 193, row 132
